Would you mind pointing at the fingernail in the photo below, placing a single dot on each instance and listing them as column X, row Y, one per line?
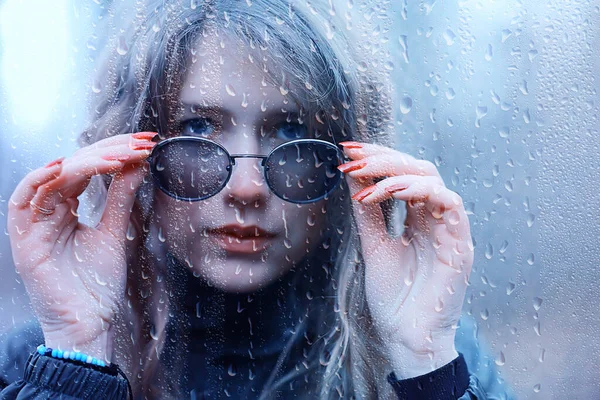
column 116, row 158
column 359, row 196
column 144, row 135
column 53, row 163
column 141, row 145
column 396, row 188
column 352, row 166
column 351, row 145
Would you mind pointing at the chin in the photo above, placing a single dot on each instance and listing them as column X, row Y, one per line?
column 241, row 276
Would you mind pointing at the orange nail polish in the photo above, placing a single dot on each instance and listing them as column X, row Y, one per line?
column 116, row 158
column 359, row 196
column 144, row 135
column 55, row 162
column 351, row 145
column 396, row 188
column 352, row 166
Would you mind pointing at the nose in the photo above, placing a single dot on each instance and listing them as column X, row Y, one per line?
column 247, row 184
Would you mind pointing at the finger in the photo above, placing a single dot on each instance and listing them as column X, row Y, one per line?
column 116, row 140
column 389, row 164
column 120, row 199
column 78, row 170
column 443, row 205
column 370, row 223
column 26, row 189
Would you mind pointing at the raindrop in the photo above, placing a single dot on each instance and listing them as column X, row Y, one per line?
column 506, row 33
column 230, row 90
column 480, row 112
column 122, row 47
column 489, row 53
column 523, row 87
column 131, row 233
column 537, row 388
column 485, row 314
column 406, row 105
column 532, row 54
column 530, row 259
column 404, row 45
column 542, row 355
column 232, row 370
column 449, row 37
column 537, row 303
column 244, row 101
column 439, row 305
column 98, row 280
column 503, row 247
column 504, row 131
column 530, row 219
column 537, row 328
column 410, row 278
column 500, row 360
column 450, row 94
column 489, row 251
column 161, row 235
column 510, row 288
column 96, row 86
column 238, row 216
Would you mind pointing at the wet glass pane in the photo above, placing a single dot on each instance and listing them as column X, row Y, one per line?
column 199, row 233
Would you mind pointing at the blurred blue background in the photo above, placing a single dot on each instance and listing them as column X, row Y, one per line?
column 501, row 95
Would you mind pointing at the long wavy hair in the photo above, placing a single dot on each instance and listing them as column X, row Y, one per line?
column 137, row 84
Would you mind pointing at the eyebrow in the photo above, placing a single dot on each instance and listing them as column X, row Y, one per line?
column 212, row 110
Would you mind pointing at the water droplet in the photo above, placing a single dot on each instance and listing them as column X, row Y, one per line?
column 230, row 90
column 98, row 280
column 510, row 288
column 489, row 53
column 530, row 219
column 161, row 235
column 244, row 101
column 523, row 87
column 450, row 94
column 96, row 86
column 131, row 232
column 530, row 259
column 480, row 112
column 542, row 355
column 406, row 105
column 122, row 47
column 489, row 251
column 537, row 328
column 439, row 305
column 232, row 370
column 238, row 216
column 504, row 131
column 500, row 360
column 503, row 247
column 506, row 33
column 449, row 37
column 537, row 303
column 537, row 388
column 485, row 314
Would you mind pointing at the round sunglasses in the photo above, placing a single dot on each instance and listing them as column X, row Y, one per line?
column 192, row 168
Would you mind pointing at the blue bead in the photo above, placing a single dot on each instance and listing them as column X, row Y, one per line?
column 72, row 355
column 41, row 349
column 78, row 356
column 66, row 355
column 54, row 353
column 101, row 363
column 59, row 354
column 94, row 361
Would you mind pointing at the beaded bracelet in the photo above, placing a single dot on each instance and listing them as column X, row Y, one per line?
column 81, row 358
column 69, row 355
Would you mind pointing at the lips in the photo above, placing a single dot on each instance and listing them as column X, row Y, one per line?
column 241, row 239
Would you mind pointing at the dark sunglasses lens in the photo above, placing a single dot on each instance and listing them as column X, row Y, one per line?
column 303, row 172
column 191, row 169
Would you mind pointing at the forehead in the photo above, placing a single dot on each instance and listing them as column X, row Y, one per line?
column 225, row 72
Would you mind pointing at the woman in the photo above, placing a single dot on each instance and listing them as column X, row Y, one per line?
column 229, row 258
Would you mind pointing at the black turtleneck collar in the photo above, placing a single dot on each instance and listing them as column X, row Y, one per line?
column 233, row 340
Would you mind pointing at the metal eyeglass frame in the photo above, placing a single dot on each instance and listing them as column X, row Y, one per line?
column 152, row 160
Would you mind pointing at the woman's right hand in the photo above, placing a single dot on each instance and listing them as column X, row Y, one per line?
column 76, row 274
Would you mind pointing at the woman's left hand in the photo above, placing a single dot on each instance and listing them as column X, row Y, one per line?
column 415, row 284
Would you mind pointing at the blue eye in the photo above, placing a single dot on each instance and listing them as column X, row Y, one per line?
column 196, row 127
column 291, row 131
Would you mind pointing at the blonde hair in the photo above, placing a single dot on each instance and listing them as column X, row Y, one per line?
column 141, row 72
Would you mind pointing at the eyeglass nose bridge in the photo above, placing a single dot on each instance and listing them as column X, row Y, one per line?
column 263, row 159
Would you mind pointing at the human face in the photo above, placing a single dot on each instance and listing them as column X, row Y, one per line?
column 244, row 237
